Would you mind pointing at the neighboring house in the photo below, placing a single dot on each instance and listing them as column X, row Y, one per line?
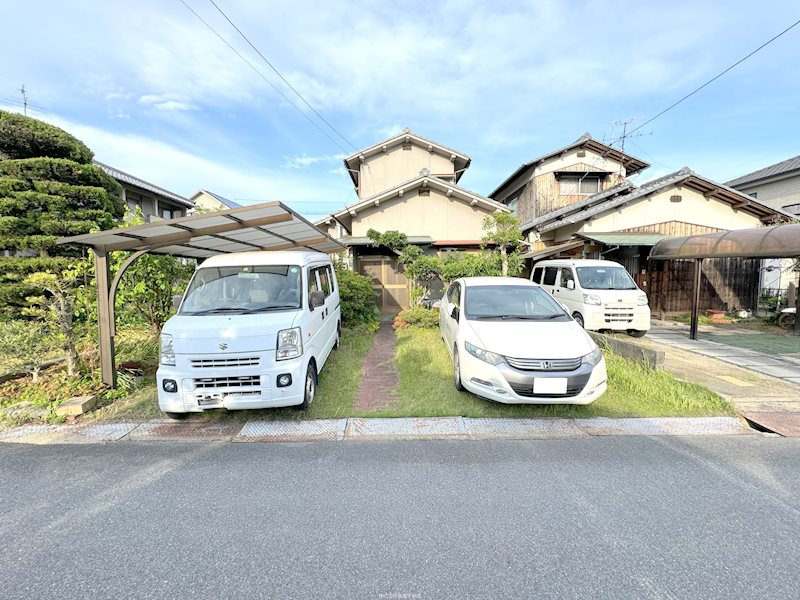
column 618, row 220
column 209, row 201
column 409, row 184
column 154, row 201
column 777, row 186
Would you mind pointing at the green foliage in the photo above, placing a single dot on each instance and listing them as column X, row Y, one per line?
column 463, row 264
column 14, row 270
column 417, row 316
column 61, row 170
column 394, row 240
column 424, row 269
column 25, row 137
column 416, row 295
column 356, row 297
column 503, row 230
column 23, row 345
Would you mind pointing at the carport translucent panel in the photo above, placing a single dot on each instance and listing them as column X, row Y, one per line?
column 742, row 242
column 778, row 241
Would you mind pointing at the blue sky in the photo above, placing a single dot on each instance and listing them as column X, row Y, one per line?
column 155, row 93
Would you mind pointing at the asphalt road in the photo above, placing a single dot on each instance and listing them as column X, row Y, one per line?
column 616, row 517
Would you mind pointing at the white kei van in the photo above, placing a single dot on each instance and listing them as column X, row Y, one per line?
column 599, row 294
column 253, row 330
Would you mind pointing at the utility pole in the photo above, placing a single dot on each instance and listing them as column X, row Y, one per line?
column 24, row 100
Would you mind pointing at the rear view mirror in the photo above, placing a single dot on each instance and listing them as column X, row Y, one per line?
column 317, row 299
column 176, row 302
column 570, row 285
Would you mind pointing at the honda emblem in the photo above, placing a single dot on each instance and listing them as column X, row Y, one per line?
column 546, row 364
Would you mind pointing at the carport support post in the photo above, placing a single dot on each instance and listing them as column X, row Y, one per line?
column 698, row 267
column 104, row 316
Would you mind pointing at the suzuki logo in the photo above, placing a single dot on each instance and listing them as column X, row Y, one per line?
column 223, row 346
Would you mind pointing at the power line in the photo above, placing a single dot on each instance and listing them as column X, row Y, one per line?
column 260, row 74
column 738, row 62
column 271, row 66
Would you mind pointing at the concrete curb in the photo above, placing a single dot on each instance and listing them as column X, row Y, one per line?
column 379, row 429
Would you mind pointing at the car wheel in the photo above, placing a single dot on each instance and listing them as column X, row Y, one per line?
column 457, row 371
column 636, row 333
column 338, row 341
column 786, row 320
column 177, row 416
column 309, row 388
column 578, row 318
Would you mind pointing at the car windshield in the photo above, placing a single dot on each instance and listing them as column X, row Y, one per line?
column 605, row 278
column 511, row 302
column 243, row 289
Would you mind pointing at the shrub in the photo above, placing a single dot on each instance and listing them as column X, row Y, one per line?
column 24, row 137
column 356, row 297
column 417, row 317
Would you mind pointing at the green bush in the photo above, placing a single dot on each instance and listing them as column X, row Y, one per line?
column 356, row 297
column 417, row 317
column 64, row 171
column 24, row 137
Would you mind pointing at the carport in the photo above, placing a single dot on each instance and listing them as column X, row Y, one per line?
column 268, row 226
column 778, row 241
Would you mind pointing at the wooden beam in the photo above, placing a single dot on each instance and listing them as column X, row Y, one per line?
column 186, row 235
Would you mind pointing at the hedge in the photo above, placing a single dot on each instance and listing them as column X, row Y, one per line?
column 25, row 137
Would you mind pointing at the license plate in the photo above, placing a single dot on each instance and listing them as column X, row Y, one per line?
column 211, row 400
column 550, row 385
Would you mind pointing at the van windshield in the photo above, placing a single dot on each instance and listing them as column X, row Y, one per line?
column 243, row 289
column 605, row 278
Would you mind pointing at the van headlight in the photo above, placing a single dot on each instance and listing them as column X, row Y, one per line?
column 289, row 344
column 593, row 358
column 592, row 299
column 484, row 355
column 642, row 300
column 166, row 351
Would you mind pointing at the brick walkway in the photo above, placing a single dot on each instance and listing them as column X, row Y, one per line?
column 378, row 385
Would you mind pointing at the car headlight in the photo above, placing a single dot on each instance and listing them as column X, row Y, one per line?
column 592, row 299
column 642, row 300
column 166, row 351
column 593, row 358
column 484, row 355
column 289, row 344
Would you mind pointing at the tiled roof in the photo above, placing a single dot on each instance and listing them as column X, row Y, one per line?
column 787, row 166
column 124, row 177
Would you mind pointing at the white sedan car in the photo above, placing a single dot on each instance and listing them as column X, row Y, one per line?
column 513, row 343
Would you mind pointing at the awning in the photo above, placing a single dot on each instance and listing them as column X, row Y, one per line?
column 268, row 226
column 625, row 239
column 552, row 250
column 778, row 241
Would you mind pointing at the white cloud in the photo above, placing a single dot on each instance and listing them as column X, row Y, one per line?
column 303, row 161
column 166, row 102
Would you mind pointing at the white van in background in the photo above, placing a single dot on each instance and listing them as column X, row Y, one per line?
column 599, row 294
column 254, row 330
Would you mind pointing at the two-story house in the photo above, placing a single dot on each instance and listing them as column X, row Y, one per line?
column 409, row 184
column 205, row 201
column 611, row 217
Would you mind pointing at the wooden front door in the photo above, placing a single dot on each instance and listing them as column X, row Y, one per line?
column 388, row 282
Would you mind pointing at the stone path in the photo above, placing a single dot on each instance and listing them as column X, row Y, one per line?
column 378, row 387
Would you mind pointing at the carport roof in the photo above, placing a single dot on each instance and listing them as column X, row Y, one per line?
column 268, row 226
column 778, row 241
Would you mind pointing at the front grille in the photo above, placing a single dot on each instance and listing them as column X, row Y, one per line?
column 536, row 364
column 526, row 391
column 207, row 363
column 618, row 314
column 227, row 382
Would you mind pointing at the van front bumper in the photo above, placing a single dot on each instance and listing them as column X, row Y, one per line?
column 231, row 387
column 617, row 319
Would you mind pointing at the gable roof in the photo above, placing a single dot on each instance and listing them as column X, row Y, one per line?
column 461, row 160
column 218, row 198
column 632, row 164
column 450, row 189
column 124, row 177
column 785, row 167
column 620, row 195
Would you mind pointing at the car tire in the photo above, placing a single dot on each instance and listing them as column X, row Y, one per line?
column 457, row 371
column 177, row 416
column 578, row 318
column 637, row 333
column 786, row 320
column 309, row 388
column 338, row 341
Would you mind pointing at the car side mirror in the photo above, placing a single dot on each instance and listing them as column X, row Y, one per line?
column 317, row 299
column 176, row 301
column 570, row 285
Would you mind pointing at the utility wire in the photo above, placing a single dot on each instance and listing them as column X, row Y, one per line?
column 738, row 62
column 278, row 73
column 260, row 74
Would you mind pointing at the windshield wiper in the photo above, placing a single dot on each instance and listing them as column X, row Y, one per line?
column 509, row 317
column 211, row 311
column 267, row 308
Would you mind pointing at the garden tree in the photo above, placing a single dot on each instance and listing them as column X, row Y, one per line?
column 48, row 189
column 503, row 230
column 356, row 296
column 23, row 345
column 394, row 240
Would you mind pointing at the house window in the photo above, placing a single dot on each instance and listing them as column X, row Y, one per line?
column 577, row 185
column 166, row 213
